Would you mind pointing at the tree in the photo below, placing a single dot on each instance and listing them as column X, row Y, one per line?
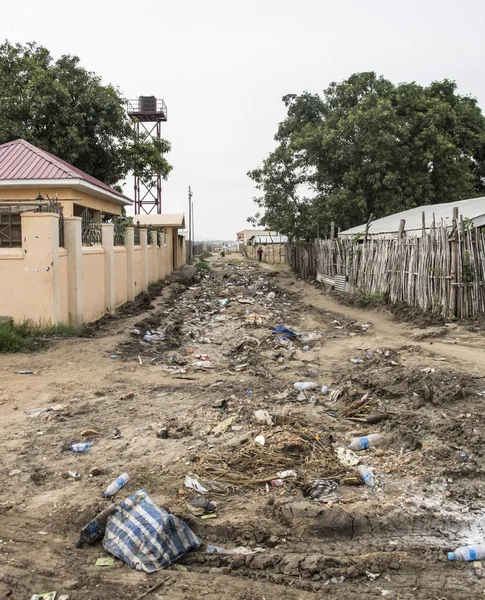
column 369, row 146
column 61, row 107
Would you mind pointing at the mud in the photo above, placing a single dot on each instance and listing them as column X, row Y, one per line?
column 387, row 541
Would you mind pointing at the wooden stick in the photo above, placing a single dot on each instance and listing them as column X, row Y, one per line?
column 152, row 589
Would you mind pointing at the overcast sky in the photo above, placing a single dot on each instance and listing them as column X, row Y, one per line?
column 222, row 67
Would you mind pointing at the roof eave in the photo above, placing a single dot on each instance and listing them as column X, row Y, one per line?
column 77, row 184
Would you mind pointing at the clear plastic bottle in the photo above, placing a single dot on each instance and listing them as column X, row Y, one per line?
column 356, row 361
column 81, row 447
column 362, row 443
column 367, row 476
column 95, row 529
column 476, row 552
column 117, row 484
column 305, row 385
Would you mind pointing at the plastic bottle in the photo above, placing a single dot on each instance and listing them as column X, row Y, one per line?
column 366, row 475
column 305, row 385
column 468, row 553
column 356, row 361
column 95, row 529
column 324, row 389
column 117, row 484
column 83, row 447
column 362, row 443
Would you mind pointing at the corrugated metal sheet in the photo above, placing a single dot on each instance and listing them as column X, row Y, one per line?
column 21, row 160
column 269, row 239
column 473, row 208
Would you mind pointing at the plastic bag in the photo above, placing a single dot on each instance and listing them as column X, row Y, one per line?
column 145, row 536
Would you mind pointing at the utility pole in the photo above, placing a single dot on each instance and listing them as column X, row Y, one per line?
column 193, row 226
column 190, row 224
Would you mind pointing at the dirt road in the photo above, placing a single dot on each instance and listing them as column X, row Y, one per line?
column 358, row 542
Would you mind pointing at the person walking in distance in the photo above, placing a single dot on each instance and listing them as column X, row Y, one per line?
column 260, row 253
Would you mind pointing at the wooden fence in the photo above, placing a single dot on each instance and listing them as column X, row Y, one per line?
column 442, row 271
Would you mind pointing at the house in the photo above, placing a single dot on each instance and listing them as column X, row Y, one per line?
column 412, row 222
column 64, row 255
column 173, row 223
column 264, row 240
column 29, row 174
column 245, row 235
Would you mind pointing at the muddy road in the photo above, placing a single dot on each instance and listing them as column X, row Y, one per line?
column 211, row 363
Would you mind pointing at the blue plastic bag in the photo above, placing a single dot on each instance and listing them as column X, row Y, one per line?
column 145, row 536
column 285, row 332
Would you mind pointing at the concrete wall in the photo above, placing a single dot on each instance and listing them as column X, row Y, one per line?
column 48, row 284
column 93, row 282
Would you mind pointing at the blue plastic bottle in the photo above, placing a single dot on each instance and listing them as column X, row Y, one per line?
column 468, row 553
column 117, row 484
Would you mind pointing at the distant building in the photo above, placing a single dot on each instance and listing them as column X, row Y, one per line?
column 245, row 235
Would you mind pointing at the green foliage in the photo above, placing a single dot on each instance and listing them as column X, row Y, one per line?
column 61, row 107
column 27, row 336
column 202, row 266
column 203, row 255
column 369, row 146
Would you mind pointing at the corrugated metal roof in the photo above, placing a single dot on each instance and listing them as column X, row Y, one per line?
column 473, row 209
column 20, row 160
column 269, row 239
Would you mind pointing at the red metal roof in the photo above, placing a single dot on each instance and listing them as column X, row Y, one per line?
column 21, row 160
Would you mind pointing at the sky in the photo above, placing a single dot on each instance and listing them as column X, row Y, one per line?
column 222, row 68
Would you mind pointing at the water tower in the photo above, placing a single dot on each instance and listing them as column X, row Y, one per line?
column 147, row 113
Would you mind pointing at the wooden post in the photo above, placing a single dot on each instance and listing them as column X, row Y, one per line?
column 332, row 230
column 367, row 225
column 454, row 256
column 402, row 224
column 423, row 223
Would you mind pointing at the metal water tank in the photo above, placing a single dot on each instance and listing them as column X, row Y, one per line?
column 147, row 104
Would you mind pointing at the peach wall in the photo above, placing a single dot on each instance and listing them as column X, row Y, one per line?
column 28, row 275
column 48, row 284
column 93, row 283
column 63, row 281
column 150, row 264
column 138, row 277
column 121, row 290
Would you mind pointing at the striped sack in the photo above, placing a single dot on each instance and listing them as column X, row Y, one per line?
column 145, row 536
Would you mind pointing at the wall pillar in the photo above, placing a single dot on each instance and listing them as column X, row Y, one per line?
column 73, row 245
column 144, row 258
column 40, row 245
column 154, row 274
column 108, row 242
column 130, row 262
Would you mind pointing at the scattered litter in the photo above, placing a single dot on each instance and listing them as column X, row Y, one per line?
column 287, row 474
column 285, row 333
column 372, row 576
column 105, row 561
column 74, row 475
column 48, row 596
column 366, row 474
column 271, row 296
column 277, row 482
column 25, row 372
column 346, row 457
column 245, row 301
column 209, row 516
column 116, row 486
column 82, row 447
column 356, row 361
column 35, row 412
column 224, row 425
column 116, row 434
column 145, row 548
column 324, row 389
column 254, row 319
column 305, row 385
column 94, row 530
column 262, row 417
column 194, row 485
column 306, row 348
column 362, row 443
column 259, row 439
column 322, row 490
column 89, row 432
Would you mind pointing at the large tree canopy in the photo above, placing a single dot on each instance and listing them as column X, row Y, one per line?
column 369, row 146
column 64, row 109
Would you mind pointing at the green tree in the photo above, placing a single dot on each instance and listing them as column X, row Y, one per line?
column 61, row 107
column 369, row 146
